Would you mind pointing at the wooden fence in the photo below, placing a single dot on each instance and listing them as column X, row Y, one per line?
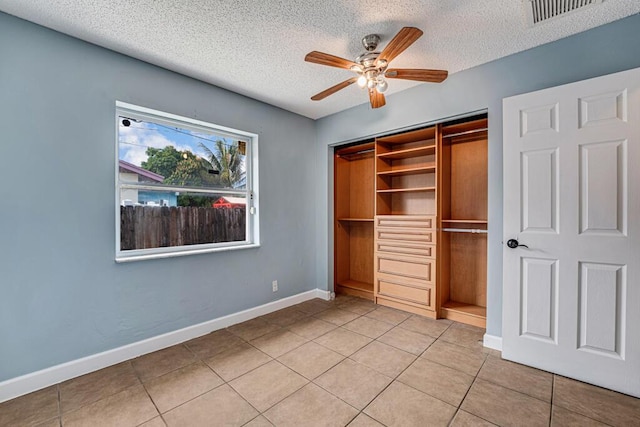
column 143, row 227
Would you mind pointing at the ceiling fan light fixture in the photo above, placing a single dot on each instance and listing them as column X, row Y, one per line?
column 362, row 81
column 382, row 85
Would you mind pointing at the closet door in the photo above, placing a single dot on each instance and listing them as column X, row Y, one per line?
column 572, row 230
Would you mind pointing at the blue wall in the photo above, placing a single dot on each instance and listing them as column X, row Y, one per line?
column 603, row 50
column 62, row 296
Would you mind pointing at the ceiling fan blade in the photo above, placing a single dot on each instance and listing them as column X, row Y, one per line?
column 433, row 76
column 405, row 38
column 327, row 59
column 376, row 99
column 334, row 89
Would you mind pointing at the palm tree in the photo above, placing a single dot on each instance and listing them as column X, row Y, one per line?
column 228, row 161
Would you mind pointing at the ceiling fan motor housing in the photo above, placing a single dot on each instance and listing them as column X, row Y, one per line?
column 370, row 42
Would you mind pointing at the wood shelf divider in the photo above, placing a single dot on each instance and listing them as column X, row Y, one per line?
column 406, row 190
column 407, row 153
column 408, row 171
column 355, row 284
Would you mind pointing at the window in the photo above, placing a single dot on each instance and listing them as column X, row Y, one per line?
column 183, row 186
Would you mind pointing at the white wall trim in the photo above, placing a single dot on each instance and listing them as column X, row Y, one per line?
column 325, row 295
column 493, row 342
column 28, row 383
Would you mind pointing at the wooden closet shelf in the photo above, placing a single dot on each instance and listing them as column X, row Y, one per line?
column 406, row 153
column 354, row 284
column 406, row 190
column 466, row 313
column 462, row 128
column 408, row 171
column 356, row 150
column 356, row 219
column 426, row 134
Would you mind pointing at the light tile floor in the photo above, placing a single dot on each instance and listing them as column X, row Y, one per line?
column 325, row 363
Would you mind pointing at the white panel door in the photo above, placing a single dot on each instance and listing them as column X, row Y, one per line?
column 572, row 201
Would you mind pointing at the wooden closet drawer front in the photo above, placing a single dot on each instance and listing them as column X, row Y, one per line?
column 408, row 293
column 408, row 248
column 413, row 267
column 406, row 234
column 411, row 221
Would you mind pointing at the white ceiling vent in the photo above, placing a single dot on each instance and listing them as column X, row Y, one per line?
column 539, row 11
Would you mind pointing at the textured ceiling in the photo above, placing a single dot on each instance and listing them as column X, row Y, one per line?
column 257, row 47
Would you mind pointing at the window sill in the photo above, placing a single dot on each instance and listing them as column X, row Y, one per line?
column 131, row 258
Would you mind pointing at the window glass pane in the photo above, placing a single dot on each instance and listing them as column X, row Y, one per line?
column 157, row 219
column 157, row 153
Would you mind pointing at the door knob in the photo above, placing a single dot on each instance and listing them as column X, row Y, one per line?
column 513, row 243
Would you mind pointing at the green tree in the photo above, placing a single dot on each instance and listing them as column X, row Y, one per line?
column 227, row 159
column 180, row 167
column 192, row 171
column 162, row 161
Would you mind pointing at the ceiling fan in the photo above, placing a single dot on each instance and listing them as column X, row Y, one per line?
column 371, row 66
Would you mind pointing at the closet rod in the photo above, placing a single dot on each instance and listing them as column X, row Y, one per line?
column 465, row 132
column 464, row 230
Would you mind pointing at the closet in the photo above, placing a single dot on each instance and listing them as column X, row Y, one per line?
column 353, row 213
column 410, row 215
column 462, row 222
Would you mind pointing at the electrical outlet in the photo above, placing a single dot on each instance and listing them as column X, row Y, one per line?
column 274, row 285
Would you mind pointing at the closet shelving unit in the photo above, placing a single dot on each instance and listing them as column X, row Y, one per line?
column 353, row 230
column 406, row 193
column 462, row 228
column 411, row 220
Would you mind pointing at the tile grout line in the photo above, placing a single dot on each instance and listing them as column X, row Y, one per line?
column 421, row 354
column 418, row 357
column 59, row 405
column 151, row 399
column 553, row 385
column 309, row 381
column 571, row 410
column 261, row 413
column 360, row 411
column 392, row 379
column 312, row 381
column 469, row 389
column 513, row 390
column 200, row 359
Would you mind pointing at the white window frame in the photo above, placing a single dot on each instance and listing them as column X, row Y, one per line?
column 252, row 234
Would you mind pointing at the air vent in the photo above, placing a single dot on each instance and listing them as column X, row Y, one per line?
column 539, row 11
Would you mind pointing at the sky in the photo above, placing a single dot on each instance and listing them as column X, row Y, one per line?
column 136, row 138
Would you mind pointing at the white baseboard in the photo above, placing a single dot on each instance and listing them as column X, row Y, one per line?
column 325, row 295
column 19, row 386
column 493, row 342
